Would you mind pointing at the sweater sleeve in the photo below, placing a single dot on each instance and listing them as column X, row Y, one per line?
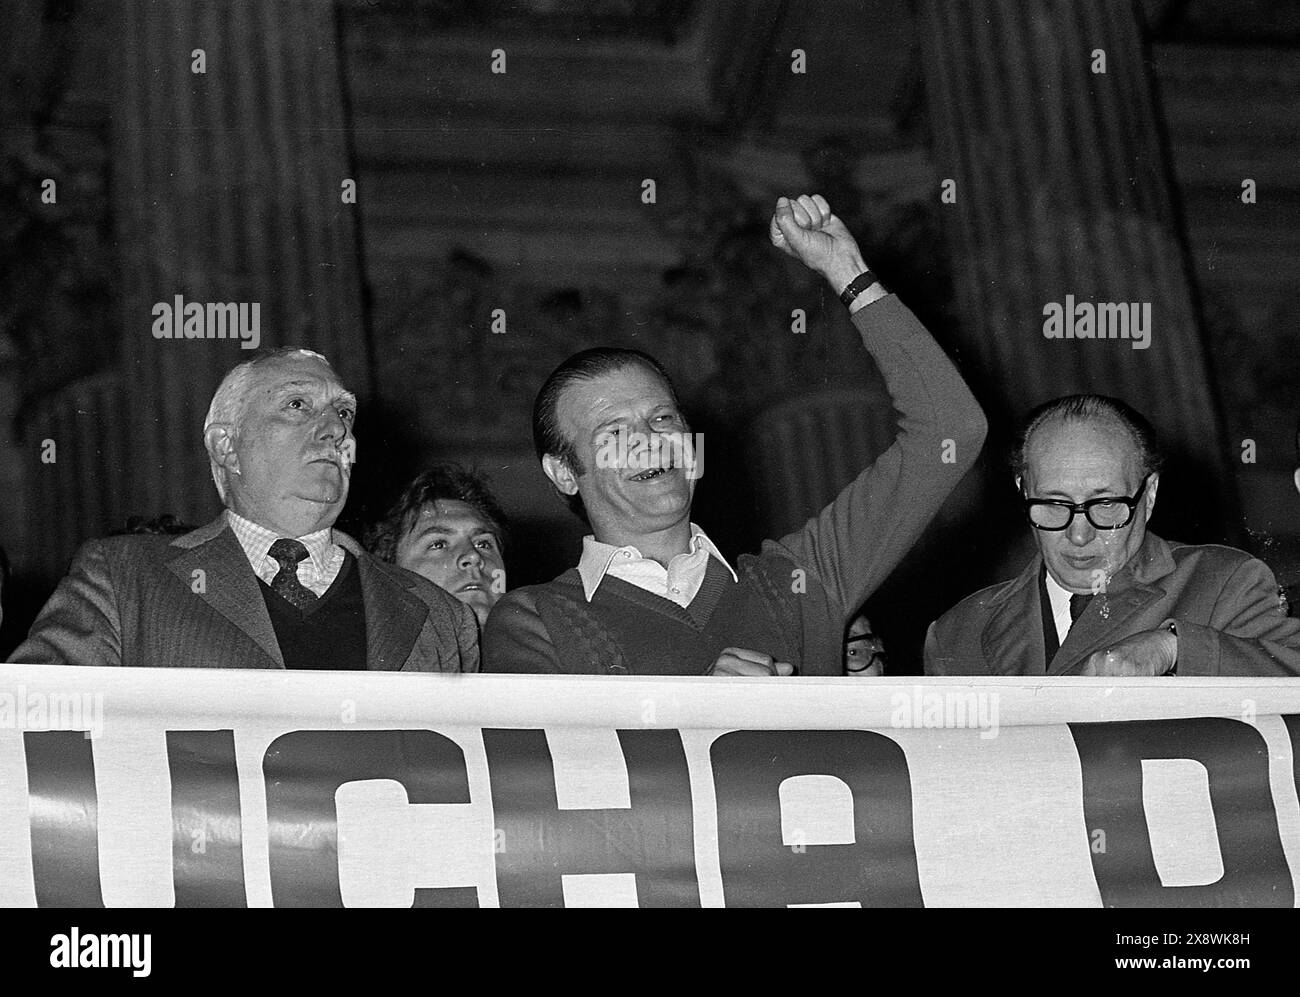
column 855, row 542
column 515, row 638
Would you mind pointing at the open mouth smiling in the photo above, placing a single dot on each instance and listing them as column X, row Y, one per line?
column 650, row 474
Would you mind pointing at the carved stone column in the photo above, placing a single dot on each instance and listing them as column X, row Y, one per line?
column 226, row 188
column 1062, row 189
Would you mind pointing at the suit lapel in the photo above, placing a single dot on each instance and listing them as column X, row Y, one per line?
column 1013, row 637
column 1107, row 617
column 395, row 616
column 1107, row 613
column 229, row 584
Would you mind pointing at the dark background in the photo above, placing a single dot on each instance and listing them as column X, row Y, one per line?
column 522, row 191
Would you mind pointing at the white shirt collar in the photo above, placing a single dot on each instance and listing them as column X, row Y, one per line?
column 257, row 540
column 1059, row 598
column 1059, row 595
column 597, row 557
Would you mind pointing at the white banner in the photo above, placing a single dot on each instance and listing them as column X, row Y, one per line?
column 261, row 788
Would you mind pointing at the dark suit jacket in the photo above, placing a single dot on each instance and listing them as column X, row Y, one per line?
column 193, row 601
column 1224, row 602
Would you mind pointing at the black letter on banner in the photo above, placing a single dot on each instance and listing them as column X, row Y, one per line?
column 65, row 818
column 539, row 843
column 1235, row 756
column 207, row 834
column 760, row 870
column 304, row 768
column 1293, row 731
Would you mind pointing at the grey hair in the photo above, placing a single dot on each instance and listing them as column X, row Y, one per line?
column 231, row 399
column 1090, row 408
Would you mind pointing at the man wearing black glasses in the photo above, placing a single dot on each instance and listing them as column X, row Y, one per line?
column 1106, row 596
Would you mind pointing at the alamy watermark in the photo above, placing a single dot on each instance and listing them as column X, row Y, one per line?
column 933, row 708
column 77, row 950
column 183, row 319
column 651, row 452
column 1103, row 320
column 29, row 710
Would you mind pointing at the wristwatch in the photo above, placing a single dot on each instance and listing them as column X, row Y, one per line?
column 857, row 285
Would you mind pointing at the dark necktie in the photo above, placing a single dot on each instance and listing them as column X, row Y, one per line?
column 287, row 554
column 1078, row 603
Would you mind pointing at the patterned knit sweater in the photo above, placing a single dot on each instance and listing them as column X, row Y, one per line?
column 794, row 599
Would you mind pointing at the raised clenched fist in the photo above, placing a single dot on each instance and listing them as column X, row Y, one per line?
column 808, row 230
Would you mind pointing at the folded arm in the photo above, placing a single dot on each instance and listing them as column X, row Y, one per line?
column 1249, row 633
column 515, row 638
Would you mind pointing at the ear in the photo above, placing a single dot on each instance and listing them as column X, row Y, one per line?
column 1152, row 486
column 220, row 443
column 560, row 474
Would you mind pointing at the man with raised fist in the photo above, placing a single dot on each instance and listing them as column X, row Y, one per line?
column 651, row 594
column 269, row 583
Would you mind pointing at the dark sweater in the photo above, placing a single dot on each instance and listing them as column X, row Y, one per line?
column 795, row 598
column 625, row 629
column 331, row 632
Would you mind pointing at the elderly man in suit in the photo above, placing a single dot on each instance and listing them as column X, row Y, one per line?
column 269, row 583
column 1105, row 596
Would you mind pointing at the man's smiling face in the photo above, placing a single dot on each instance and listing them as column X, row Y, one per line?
column 623, row 501
column 1075, row 460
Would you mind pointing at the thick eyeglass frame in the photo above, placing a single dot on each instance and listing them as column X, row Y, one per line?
column 873, row 658
column 1087, row 507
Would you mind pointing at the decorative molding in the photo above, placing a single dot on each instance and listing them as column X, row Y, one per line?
column 642, row 20
column 720, row 319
